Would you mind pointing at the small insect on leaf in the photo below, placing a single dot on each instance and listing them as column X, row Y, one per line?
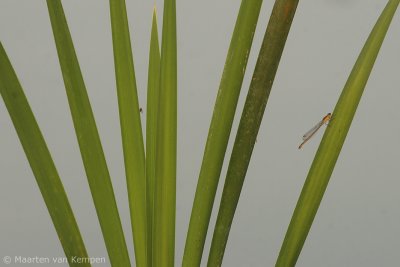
column 310, row 133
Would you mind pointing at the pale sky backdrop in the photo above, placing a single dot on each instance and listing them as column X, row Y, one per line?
column 358, row 221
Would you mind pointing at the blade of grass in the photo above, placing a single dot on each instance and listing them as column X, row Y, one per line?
column 88, row 139
column 257, row 97
column 41, row 162
column 153, row 93
column 218, row 135
column 165, row 184
column 332, row 142
column 131, row 128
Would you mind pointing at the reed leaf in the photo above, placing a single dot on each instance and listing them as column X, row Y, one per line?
column 41, row 162
column 131, row 128
column 218, row 135
column 332, row 142
column 257, row 97
column 165, row 183
column 88, row 139
column 153, row 94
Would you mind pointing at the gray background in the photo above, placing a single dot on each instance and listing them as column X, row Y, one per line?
column 358, row 220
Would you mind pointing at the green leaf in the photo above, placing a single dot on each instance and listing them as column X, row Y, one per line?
column 131, row 128
column 257, row 97
column 165, row 184
column 332, row 142
column 219, row 131
column 88, row 139
column 41, row 162
column 153, row 94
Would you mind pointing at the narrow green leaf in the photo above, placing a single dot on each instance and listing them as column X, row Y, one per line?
column 219, row 131
column 153, row 92
column 88, row 139
column 131, row 128
column 257, row 97
column 332, row 142
column 165, row 184
column 41, row 162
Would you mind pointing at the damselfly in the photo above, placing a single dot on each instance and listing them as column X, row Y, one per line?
column 307, row 136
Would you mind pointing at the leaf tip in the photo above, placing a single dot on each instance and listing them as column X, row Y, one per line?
column 155, row 10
